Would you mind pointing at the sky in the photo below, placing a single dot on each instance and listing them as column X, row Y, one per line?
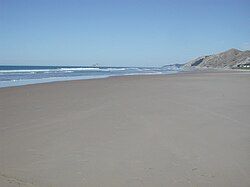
column 119, row 32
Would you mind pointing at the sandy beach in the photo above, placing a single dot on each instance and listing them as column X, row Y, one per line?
column 187, row 129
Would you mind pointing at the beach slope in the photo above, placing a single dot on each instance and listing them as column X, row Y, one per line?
column 188, row 129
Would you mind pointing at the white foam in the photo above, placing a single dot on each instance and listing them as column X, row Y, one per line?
column 79, row 69
column 25, row 70
column 68, row 70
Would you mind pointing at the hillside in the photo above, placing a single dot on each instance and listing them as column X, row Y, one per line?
column 232, row 58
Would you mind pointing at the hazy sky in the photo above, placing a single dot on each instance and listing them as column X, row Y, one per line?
column 119, row 32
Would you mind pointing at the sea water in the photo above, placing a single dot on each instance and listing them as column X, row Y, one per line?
column 23, row 75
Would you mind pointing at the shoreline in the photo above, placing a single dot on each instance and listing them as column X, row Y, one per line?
column 66, row 79
column 6, row 84
column 184, row 129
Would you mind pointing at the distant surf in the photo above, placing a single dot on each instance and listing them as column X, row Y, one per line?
column 23, row 75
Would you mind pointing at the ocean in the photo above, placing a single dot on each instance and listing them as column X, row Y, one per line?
column 23, row 75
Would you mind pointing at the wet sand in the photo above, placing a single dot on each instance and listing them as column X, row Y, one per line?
column 188, row 129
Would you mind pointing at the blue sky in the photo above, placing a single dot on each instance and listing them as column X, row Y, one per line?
column 119, row 32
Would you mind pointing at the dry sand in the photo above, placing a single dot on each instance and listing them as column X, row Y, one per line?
column 188, row 129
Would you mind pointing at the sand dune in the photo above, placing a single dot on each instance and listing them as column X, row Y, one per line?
column 190, row 129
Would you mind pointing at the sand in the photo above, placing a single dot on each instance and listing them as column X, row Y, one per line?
column 188, row 129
